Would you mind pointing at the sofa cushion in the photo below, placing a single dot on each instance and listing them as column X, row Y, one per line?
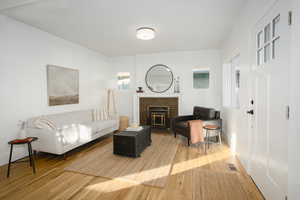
column 68, row 118
column 100, row 125
column 44, row 123
column 204, row 113
column 182, row 124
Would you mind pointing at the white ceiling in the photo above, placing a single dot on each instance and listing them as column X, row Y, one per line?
column 108, row 26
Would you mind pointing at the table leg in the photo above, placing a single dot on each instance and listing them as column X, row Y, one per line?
column 31, row 157
column 208, row 134
column 9, row 163
column 29, row 154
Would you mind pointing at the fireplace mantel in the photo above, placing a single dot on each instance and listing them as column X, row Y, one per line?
column 136, row 102
column 157, row 95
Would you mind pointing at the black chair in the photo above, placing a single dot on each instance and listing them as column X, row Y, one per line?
column 209, row 116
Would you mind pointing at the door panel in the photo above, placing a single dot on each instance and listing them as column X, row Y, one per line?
column 270, row 83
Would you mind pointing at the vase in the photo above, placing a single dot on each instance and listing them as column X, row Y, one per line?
column 176, row 85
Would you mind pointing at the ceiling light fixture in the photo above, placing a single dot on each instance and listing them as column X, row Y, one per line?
column 145, row 33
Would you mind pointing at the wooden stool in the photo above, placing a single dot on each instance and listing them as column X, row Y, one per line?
column 209, row 128
column 22, row 141
column 124, row 123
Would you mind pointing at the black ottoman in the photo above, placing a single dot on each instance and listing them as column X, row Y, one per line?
column 132, row 143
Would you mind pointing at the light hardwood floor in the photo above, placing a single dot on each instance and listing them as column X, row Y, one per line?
column 194, row 176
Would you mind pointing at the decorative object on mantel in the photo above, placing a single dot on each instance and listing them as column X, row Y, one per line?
column 140, row 90
column 177, row 85
column 159, row 78
column 63, row 85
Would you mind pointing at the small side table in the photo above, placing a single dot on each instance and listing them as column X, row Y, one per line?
column 209, row 128
column 22, row 141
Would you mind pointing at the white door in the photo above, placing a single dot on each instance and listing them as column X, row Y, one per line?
column 270, row 85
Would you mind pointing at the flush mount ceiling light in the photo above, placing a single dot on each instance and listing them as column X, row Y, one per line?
column 145, row 33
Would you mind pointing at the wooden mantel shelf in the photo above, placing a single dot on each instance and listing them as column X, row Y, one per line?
column 158, row 95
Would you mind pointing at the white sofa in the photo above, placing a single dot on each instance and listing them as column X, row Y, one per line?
column 73, row 129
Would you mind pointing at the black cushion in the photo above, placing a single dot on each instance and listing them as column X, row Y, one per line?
column 204, row 113
column 182, row 124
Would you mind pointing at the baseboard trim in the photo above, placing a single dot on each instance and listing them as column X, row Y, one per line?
column 257, row 187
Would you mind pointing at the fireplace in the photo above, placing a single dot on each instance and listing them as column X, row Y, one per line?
column 157, row 111
column 158, row 116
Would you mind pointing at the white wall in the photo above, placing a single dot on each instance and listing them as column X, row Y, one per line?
column 24, row 54
column 182, row 64
column 294, row 136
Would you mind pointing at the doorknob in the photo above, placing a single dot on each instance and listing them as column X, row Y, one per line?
column 250, row 112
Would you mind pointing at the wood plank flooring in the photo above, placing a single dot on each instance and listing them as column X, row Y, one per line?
column 194, row 176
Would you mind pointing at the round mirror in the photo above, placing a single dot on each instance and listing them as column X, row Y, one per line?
column 159, row 78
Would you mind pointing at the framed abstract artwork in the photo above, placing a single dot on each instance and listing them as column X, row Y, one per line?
column 63, row 85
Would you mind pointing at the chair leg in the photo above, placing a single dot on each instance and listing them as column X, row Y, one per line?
column 188, row 141
column 208, row 138
column 205, row 145
column 220, row 138
column 9, row 162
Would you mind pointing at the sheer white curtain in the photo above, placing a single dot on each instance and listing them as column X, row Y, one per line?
column 108, row 110
column 111, row 104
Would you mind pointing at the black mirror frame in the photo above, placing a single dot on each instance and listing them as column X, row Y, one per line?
column 150, row 88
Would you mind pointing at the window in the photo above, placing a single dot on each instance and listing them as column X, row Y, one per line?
column 231, row 83
column 275, row 36
column 267, row 42
column 259, row 39
column 267, row 52
column 259, row 48
column 201, row 78
column 275, row 26
column 236, row 93
column 123, row 80
column 267, row 33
